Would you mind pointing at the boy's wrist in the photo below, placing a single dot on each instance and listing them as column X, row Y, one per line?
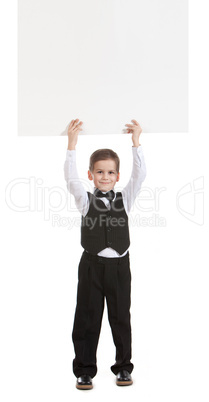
column 71, row 147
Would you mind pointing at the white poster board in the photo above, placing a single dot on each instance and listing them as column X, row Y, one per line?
column 104, row 62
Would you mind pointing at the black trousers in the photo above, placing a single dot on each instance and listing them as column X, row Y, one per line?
column 99, row 278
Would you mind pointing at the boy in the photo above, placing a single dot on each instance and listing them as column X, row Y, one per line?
column 104, row 268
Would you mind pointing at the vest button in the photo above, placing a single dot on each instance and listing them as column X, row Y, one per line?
column 109, row 242
column 109, row 229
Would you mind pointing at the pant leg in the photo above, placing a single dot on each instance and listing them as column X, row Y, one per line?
column 88, row 316
column 118, row 295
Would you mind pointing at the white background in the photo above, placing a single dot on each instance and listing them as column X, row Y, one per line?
column 104, row 60
column 169, row 263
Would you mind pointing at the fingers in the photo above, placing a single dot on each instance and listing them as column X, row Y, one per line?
column 131, row 125
column 74, row 126
column 133, row 128
column 135, row 122
column 78, row 127
column 72, row 123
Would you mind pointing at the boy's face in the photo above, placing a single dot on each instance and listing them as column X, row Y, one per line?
column 104, row 175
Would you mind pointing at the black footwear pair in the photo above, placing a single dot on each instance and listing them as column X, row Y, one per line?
column 124, row 378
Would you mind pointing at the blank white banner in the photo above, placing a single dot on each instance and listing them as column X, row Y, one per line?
column 102, row 61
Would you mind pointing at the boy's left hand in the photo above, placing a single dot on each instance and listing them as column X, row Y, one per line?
column 136, row 130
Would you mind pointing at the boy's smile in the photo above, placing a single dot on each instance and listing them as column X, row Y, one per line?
column 104, row 175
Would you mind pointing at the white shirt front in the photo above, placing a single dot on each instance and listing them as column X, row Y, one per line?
column 129, row 192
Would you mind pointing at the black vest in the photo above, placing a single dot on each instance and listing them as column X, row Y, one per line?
column 102, row 228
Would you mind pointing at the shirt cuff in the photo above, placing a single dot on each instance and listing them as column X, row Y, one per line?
column 71, row 154
column 137, row 150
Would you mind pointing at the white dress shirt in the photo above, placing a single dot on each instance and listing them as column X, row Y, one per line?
column 129, row 192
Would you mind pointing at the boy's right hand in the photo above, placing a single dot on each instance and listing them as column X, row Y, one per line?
column 72, row 133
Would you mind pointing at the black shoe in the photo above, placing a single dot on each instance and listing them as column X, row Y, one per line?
column 84, row 382
column 124, row 378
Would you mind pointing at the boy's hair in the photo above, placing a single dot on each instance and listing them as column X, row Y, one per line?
column 103, row 154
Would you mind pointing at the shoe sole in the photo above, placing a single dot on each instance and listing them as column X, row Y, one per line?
column 124, row 382
column 84, row 386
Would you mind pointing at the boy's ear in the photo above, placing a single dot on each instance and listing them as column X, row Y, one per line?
column 118, row 176
column 90, row 175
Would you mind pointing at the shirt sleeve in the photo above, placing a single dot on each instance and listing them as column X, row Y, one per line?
column 138, row 175
column 74, row 184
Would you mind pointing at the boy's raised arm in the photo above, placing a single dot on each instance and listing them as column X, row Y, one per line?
column 138, row 174
column 74, row 185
